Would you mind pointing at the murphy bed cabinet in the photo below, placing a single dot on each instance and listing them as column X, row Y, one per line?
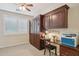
column 36, row 26
column 57, row 18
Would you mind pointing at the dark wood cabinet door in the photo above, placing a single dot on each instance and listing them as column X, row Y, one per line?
column 68, row 51
column 47, row 21
column 50, row 22
column 37, row 24
column 32, row 38
column 58, row 20
column 32, row 30
column 37, row 41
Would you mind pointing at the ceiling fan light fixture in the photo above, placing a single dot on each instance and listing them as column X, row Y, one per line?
column 20, row 8
column 24, row 6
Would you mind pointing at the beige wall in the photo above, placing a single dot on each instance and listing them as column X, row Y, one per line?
column 11, row 40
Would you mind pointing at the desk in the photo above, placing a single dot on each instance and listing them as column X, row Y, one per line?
column 69, row 51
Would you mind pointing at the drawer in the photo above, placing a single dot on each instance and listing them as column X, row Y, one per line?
column 66, row 51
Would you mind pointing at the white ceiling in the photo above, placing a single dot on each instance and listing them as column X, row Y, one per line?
column 38, row 8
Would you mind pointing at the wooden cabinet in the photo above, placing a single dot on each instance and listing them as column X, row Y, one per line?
column 46, row 21
column 36, row 26
column 57, row 18
column 68, row 51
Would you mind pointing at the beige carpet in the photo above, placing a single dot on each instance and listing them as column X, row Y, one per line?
column 22, row 50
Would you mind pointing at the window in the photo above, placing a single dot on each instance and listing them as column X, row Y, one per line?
column 13, row 24
column 23, row 25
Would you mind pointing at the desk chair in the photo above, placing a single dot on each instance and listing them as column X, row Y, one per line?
column 50, row 47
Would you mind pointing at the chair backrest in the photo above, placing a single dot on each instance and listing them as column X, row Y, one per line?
column 46, row 42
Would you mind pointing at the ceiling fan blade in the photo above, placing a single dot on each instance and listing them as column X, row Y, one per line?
column 24, row 4
column 29, row 5
column 28, row 9
column 20, row 4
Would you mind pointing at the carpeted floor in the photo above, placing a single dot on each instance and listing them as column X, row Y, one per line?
column 22, row 50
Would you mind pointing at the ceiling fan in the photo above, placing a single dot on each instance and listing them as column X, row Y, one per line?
column 24, row 6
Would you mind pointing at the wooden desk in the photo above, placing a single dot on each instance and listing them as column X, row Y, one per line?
column 65, row 50
column 69, row 51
